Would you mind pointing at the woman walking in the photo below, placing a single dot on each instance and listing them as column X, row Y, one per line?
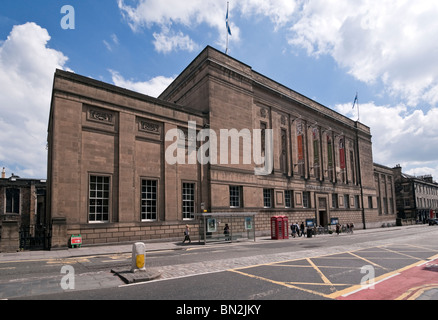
column 187, row 234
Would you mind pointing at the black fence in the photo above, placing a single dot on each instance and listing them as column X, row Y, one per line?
column 36, row 237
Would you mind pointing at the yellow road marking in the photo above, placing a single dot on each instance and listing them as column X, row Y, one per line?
column 403, row 254
column 414, row 293
column 285, row 284
column 368, row 261
column 323, row 277
column 375, row 280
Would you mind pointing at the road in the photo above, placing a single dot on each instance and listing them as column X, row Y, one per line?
column 362, row 266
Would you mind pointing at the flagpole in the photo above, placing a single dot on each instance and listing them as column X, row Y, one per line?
column 358, row 110
column 356, row 101
column 228, row 6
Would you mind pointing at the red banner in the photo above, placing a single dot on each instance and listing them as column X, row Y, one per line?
column 300, row 148
column 342, row 153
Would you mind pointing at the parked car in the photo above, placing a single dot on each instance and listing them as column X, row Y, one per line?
column 433, row 221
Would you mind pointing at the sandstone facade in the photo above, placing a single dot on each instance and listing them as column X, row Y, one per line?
column 110, row 178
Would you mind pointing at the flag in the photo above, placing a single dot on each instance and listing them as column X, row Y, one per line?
column 228, row 23
column 355, row 101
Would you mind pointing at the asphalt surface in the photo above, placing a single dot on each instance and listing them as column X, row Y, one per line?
column 34, row 285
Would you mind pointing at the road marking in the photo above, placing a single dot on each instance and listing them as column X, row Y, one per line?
column 403, row 254
column 368, row 261
column 414, row 293
column 380, row 279
column 364, row 287
column 285, row 284
column 323, row 277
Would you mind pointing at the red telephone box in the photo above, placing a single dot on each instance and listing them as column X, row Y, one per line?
column 279, row 227
column 285, row 227
column 276, row 228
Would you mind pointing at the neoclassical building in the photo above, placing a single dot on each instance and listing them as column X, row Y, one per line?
column 123, row 166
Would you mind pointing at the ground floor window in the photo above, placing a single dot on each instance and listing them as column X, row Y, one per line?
column 306, row 199
column 288, row 198
column 99, row 198
column 267, row 198
column 149, row 200
column 188, row 196
column 235, row 197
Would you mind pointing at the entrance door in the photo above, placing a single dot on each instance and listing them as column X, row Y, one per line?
column 323, row 221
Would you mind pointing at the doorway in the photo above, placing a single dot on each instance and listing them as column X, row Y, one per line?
column 323, row 219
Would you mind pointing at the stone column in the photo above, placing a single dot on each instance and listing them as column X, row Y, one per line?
column 59, row 233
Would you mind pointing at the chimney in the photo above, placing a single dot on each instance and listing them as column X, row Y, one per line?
column 3, row 173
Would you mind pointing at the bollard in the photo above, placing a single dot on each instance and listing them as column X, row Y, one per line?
column 138, row 257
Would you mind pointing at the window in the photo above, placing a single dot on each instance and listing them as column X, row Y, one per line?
column 267, row 198
column 391, row 205
column 346, row 201
column 356, row 202
column 370, row 202
column 235, row 197
column 99, row 199
column 283, row 152
column 288, row 198
column 335, row 200
column 306, row 199
column 149, row 200
column 13, row 201
column 263, row 127
column 188, row 196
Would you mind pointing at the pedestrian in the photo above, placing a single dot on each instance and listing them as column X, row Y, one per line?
column 294, row 230
column 302, row 228
column 227, row 232
column 187, row 234
column 338, row 228
column 351, row 227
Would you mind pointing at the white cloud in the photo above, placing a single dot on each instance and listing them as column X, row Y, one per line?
column 172, row 14
column 401, row 136
column 114, row 42
column 390, row 41
column 167, row 42
column 27, row 67
column 153, row 87
column 280, row 12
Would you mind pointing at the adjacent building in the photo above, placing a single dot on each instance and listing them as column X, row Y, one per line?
column 386, row 197
column 417, row 197
column 22, row 209
column 222, row 137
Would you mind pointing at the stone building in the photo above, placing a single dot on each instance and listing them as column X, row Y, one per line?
column 22, row 210
column 123, row 166
column 417, row 197
column 386, row 197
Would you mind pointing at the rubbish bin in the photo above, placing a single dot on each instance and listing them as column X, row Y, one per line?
column 309, row 232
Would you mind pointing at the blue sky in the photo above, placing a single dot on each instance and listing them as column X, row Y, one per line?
column 326, row 50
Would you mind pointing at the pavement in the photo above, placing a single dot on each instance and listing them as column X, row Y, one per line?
column 151, row 246
column 33, row 285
